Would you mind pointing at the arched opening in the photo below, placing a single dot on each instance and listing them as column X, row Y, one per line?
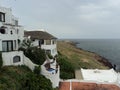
column 16, row 59
column 2, row 30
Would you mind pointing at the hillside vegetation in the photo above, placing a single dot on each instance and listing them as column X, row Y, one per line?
column 66, row 67
column 22, row 78
column 79, row 58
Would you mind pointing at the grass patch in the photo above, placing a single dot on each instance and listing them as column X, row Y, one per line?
column 22, row 78
column 79, row 58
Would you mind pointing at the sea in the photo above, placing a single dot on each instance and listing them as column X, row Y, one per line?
column 108, row 48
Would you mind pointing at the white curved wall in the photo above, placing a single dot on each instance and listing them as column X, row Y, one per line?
column 54, row 78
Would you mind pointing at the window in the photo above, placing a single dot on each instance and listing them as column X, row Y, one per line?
column 15, row 45
column 16, row 22
column 10, row 47
column 16, row 59
column 41, row 42
column 53, row 51
column 53, row 41
column 7, row 46
column 48, row 51
column 17, row 31
column 2, row 31
column 48, row 42
column 4, row 46
column 2, row 17
column 11, row 32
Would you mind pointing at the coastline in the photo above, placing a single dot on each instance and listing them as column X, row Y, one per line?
column 98, row 57
column 82, row 58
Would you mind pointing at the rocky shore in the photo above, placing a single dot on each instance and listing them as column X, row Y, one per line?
column 101, row 59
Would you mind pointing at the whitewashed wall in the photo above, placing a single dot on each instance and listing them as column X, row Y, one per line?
column 118, row 81
column 20, row 33
column 54, row 78
column 50, row 47
column 8, row 13
column 8, row 58
column 17, row 31
column 35, row 43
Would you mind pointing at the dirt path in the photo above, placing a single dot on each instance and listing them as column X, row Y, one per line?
column 78, row 75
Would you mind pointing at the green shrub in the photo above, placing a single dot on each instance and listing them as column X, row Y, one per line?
column 1, row 61
column 21, row 78
column 50, row 56
column 36, row 55
column 35, row 82
column 66, row 68
column 37, row 70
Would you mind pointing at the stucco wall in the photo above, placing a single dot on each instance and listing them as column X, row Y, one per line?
column 35, row 43
column 52, row 48
column 8, row 58
column 118, row 81
column 17, row 31
column 8, row 14
column 52, row 75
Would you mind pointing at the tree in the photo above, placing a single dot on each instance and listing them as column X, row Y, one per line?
column 27, row 43
column 36, row 55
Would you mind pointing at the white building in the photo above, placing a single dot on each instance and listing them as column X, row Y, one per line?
column 50, row 69
column 103, row 76
column 11, row 35
column 44, row 40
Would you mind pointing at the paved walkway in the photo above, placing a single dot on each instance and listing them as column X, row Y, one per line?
column 78, row 75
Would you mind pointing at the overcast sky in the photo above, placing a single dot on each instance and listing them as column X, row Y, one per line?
column 69, row 18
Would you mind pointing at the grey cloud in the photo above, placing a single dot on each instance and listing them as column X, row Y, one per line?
column 70, row 18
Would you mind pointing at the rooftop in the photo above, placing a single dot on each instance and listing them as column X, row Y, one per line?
column 99, row 75
column 39, row 35
column 74, row 85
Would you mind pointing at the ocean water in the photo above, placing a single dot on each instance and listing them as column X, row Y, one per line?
column 108, row 48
